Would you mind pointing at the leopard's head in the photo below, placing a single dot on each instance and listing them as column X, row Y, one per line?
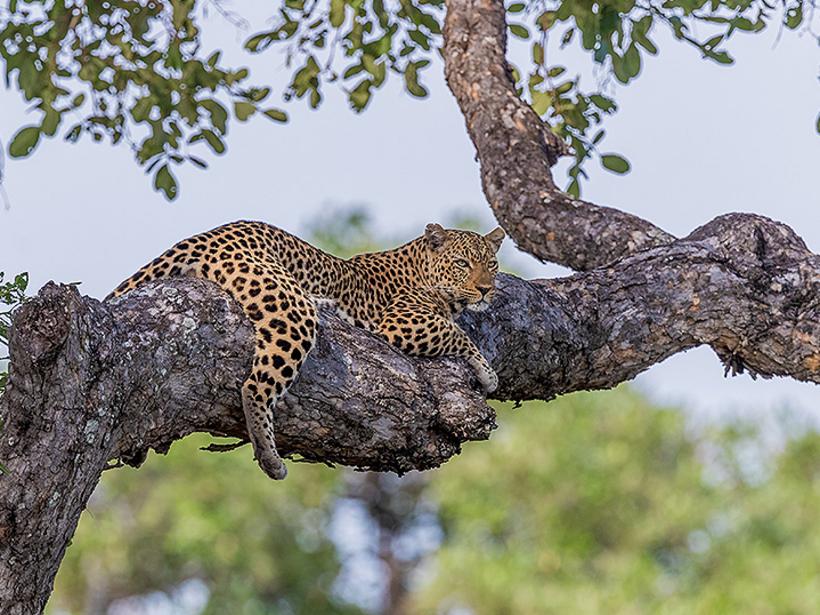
column 462, row 265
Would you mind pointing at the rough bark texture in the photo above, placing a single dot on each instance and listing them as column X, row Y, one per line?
column 92, row 382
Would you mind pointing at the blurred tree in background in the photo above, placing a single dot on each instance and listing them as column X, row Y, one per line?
column 593, row 503
column 600, row 503
column 211, row 518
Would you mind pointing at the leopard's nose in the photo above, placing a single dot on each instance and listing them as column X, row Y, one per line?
column 484, row 290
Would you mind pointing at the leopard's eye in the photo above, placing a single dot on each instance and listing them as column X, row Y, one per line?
column 460, row 262
column 493, row 264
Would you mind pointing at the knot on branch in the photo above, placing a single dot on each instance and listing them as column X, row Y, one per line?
column 42, row 324
column 750, row 238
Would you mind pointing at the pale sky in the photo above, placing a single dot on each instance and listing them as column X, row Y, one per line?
column 702, row 139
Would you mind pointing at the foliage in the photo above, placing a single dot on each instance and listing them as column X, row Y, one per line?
column 259, row 547
column 600, row 503
column 12, row 295
column 137, row 71
column 591, row 503
column 343, row 232
column 134, row 70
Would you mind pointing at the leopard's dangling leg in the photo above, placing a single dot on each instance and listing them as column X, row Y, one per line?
column 284, row 318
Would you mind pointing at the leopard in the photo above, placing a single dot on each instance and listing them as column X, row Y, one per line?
column 410, row 296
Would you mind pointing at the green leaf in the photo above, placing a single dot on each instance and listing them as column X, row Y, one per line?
column 541, row 102
column 378, row 70
column 24, row 142
column 219, row 115
column 644, row 42
column 142, row 108
column 516, row 7
column 538, row 53
column 420, row 39
column 721, row 57
column 360, row 95
column 277, row 115
column 352, row 71
column 165, row 181
column 174, row 57
column 257, row 43
column 411, row 81
column 211, row 138
column 244, row 110
column 713, row 42
column 615, row 163
column 337, row 13
column 519, row 31
column 51, row 121
column 619, row 68
column 632, row 61
column 604, row 103
column 794, row 16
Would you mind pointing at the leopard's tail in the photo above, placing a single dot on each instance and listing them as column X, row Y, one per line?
column 174, row 262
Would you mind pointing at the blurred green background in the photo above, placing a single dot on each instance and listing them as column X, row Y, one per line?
column 593, row 503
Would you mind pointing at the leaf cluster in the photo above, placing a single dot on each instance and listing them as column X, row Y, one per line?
column 136, row 71
column 131, row 71
column 12, row 295
column 602, row 503
column 619, row 36
column 354, row 44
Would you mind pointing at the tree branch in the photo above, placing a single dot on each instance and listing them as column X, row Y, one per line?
column 516, row 150
column 744, row 285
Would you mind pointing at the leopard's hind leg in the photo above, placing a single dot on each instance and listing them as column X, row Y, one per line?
column 285, row 321
column 283, row 315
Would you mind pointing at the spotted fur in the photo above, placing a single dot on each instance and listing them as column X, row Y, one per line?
column 410, row 295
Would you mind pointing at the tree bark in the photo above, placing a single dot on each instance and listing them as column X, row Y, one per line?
column 93, row 382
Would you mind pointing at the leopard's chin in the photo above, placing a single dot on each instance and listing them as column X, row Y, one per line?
column 478, row 306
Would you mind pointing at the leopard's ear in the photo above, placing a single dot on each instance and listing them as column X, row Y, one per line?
column 436, row 236
column 495, row 237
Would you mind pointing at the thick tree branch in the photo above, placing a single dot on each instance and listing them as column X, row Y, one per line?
column 743, row 284
column 516, row 151
column 92, row 382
